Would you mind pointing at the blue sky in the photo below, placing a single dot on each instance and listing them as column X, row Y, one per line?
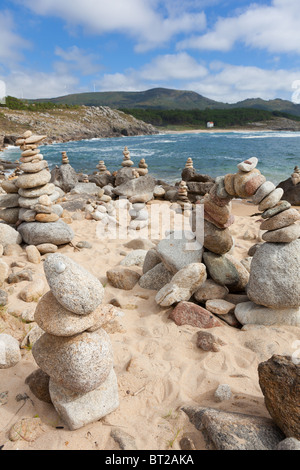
column 226, row 50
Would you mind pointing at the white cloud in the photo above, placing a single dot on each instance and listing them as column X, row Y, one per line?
column 11, row 44
column 230, row 83
column 32, row 84
column 274, row 28
column 76, row 59
column 139, row 19
column 162, row 69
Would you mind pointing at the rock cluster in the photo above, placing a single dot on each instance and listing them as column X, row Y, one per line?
column 75, row 351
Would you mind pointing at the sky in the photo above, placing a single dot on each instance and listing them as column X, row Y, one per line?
column 227, row 50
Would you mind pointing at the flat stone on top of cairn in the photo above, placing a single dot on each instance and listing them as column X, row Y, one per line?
column 127, row 162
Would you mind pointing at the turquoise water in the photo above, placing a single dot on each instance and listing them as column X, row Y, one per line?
column 166, row 154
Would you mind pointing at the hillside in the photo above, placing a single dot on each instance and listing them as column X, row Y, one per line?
column 163, row 98
column 63, row 125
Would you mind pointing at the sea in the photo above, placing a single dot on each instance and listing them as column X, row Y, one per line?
column 213, row 153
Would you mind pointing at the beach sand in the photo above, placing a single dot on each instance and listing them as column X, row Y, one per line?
column 158, row 366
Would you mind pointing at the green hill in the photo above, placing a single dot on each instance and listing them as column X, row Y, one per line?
column 166, row 99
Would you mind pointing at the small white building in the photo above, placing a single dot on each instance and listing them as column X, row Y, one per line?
column 210, row 124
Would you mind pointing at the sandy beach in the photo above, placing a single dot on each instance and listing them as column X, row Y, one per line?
column 158, row 366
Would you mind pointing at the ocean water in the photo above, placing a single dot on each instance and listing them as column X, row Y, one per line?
column 213, row 153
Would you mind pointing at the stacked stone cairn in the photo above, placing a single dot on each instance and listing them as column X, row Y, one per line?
column 143, row 168
column 189, row 163
column 182, row 194
column 37, row 197
column 296, row 176
column 75, row 352
column 101, row 167
column 127, row 162
column 85, row 178
column 65, row 159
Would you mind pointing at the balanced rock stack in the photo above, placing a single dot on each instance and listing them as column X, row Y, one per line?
column 182, row 194
column 189, row 163
column 126, row 161
column 85, row 178
column 143, row 168
column 296, row 176
column 75, row 352
column 36, row 197
column 273, row 287
column 101, row 167
column 65, row 159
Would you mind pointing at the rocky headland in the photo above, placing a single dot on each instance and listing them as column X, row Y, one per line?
column 64, row 125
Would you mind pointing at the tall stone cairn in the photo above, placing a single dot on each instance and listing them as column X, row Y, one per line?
column 273, row 287
column 127, row 162
column 75, row 352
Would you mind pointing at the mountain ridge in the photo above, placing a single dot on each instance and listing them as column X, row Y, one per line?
column 165, row 98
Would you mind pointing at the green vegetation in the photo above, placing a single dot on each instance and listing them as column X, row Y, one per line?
column 223, row 118
column 167, row 99
column 24, row 105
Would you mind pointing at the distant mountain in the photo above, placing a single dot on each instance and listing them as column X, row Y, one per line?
column 163, row 98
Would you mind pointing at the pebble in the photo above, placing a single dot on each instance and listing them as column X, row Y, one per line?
column 223, row 393
column 46, row 218
column 281, row 220
column 45, row 248
column 156, row 278
column 283, row 235
column 240, row 180
column 208, row 342
column 183, row 285
column 253, row 314
column 280, row 207
column 73, row 362
column 271, row 200
column 56, row 320
column 178, row 251
column 264, row 190
column 248, row 165
column 188, row 313
column 74, row 288
column 78, row 410
column 33, row 254
column 4, row 270
column 37, row 192
column 33, row 180
column 33, row 291
column 219, row 306
column 38, row 382
column 216, row 240
column 210, row 290
column 123, row 278
column 135, row 258
column 274, row 277
column 9, row 351
column 226, row 271
column 27, row 429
